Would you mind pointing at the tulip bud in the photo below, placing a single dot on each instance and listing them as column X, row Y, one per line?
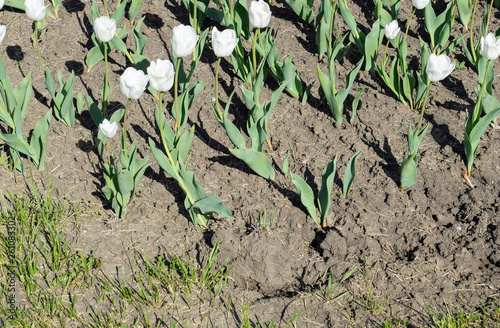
column 438, row 67
column 35, row 9
column 104, row 28
column 224, row 42
column 392, row 30
column 420, row 4
column 108, row 129
column 259, row 14
column 3, row 30
column 161, row 75
column 184, row 40
column 133, row 83
column 490, row 47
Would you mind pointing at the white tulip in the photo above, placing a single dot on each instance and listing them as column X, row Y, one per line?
column 184, row 40
column 224, row 42
column 3, row 30
column 108, row 129
column 133, row 83
column 35, row 9
column 259, row 14
column 392, row 30
column 2, row 2
column 161, row 75
column 420, row 4
column 438, row 67
column 490, row 47
column 105, row 28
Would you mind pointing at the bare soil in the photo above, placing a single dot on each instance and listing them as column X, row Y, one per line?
column 436, row 244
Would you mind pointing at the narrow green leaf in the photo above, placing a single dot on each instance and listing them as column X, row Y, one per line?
column 350, row 173
column 306, row 196
column 327, row 177
column 257, row 161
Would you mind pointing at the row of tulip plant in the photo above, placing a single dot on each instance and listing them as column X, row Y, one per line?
column 411, row 87
column 122, row 173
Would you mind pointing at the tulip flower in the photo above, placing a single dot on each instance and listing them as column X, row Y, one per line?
column 259, row 14
column 490, row 47
column 133, row 83
column 392, row 30
column 438, row 67
column 420, row 4
column 224, row 42
column 108, row 129
column 2, row 2
column 161, row 75
column 3, row 30
column 104, row 28
column 35, row 9
column 184, row 40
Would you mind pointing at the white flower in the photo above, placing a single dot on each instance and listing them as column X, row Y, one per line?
column 438, row 67
column 490, row 47
column 420, row 4
column 161, row 75
column 259, row 13
column 3, row 30
column 108, row 129
column 2, row 2
column 392, row 30
column 105, row 28
column 35, row 9
column 133, row 83
column 184, row 40
column 224, row 42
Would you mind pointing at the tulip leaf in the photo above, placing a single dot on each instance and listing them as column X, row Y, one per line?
column 125, row 182
column 38, row 140
column 408, row 176
column 184, row 144
column 464, row 11
column 212, row 204
column 162, row 160
column 256, row 160
column 79, row 103
column 18, row 144
column 49, row 82
column 306, row 196
column 350, row 173
column 134, row 9
column 94, row 56
column 303, row 8
column 371, row 45
column 327, row 177
column 286, row 164
column 139, row 38
column 241, row 20
column 355, row 104
column 119, row 44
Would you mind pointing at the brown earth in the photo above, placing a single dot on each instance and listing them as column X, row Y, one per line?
column 436, row 244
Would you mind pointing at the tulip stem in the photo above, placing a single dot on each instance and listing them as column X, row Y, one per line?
column 106, row 72
column 254, row 55
column 385, row 53
column 221, row 118
column 472, row 47
column 173, row 163
column 477, row 107
column 124, row 132
column 109, row 157
column 331, row 28
column 104, row 2
column 176, row 85
column 422, row 108
column 488, row 19
column 408, row 24
column 37, row 46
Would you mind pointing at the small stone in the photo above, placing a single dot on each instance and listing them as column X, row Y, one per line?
column 454, row 210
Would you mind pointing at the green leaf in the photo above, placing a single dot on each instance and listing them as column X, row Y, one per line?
column 306, row 196
column 303, row 8
column 39, row 138
column 49, row 82
column 212, row 204
column 79, row 103
column 125, row 181
column 327, row 177
column 372, row 43
column 257, row 161
column 408, row 175
column 140, row 39
column 162, row 159
column 94, row 56
column 355, row 104
column 350, row 173
column 134, row 9
column 286, row 164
